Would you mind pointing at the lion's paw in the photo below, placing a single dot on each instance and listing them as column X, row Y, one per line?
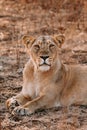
column 21, row 111
column 11, row 103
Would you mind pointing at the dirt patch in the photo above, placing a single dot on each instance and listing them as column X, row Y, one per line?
column 34, row 18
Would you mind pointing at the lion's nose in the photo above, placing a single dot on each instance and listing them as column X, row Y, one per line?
column 44, row 57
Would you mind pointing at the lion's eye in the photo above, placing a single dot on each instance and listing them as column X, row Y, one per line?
column 52, row 46
column 36, row 47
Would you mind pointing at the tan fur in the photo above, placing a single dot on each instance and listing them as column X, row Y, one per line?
column 51, row 84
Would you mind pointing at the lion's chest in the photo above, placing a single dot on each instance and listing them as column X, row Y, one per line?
column 31, row 89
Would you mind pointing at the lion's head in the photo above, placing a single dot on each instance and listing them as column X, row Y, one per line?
column 44, row 50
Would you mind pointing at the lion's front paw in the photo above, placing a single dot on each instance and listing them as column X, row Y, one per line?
column 21, row 111
column 11, row 103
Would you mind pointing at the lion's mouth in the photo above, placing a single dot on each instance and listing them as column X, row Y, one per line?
column 44, row 67
column 45, row 64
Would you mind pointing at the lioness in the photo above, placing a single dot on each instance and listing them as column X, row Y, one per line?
column 48, row 82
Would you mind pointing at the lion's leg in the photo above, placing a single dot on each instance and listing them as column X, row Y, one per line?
column 31, row 106
column 17, row 101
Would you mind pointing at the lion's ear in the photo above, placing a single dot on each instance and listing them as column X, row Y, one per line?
column 59, row 39
column 28, row 40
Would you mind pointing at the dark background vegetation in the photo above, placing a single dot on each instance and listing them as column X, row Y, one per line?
column 38, row 17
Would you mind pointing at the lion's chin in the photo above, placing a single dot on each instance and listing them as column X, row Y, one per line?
column 44, row 68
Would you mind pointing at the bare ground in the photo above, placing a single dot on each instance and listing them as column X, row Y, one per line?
column 17, row 19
